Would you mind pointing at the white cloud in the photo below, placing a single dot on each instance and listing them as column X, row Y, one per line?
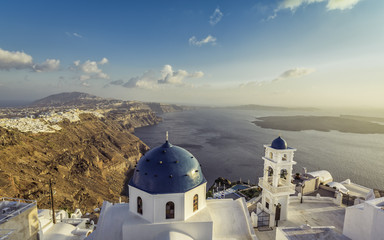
column 47, row 66
column 74, row 34
column 103, row 61
column 294, row 73
column 20, row 60
column 14, row 60
column 251, row 84
column 291, row 73
column 215, row 17
column 151, row 79
column 209, row 39
column 90, row 69
column 176, row 77
column 84, row 77
column 198, row 74
column 169, row 76
column 148, row 80
column 77, row 35
column 331, row 5
column 341, row 4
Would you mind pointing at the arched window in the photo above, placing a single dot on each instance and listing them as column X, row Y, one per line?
column 170, row 210
column 270, row 171
column 270, row 155
column 283, row 173
column 285, row 157
column 195, row 203
column 139, row 205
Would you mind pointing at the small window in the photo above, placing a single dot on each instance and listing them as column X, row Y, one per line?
column 270, row 155
column 170, row 210
column 285, row 157
column 195, row 203
column 139, row 205
column 270, row 171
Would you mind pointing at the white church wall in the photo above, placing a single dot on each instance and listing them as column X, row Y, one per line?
column 353, row 229
column 154, row 205
column 195, row 230
column 378, row 224
column 200, row 191
column 365, row 221
column 284, row 201
column 148, row 203
column 160, row 201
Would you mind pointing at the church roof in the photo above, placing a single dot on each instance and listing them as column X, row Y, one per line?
column 167, row 169
column 279, row 143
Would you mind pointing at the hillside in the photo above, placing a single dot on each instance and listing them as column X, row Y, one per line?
column 88, row 162
column 89, row 157
column 68, row 98
column 88, row 101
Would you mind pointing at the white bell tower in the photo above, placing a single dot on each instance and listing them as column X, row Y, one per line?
column 276, row 182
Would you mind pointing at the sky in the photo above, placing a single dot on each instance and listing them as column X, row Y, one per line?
column 317, row 53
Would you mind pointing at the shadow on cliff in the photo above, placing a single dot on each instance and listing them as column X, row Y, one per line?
column 128, row 175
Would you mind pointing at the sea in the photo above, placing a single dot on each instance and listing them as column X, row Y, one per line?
column 228, row 144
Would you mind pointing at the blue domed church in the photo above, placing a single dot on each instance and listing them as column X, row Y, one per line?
column 167, row 185
column 167, row 201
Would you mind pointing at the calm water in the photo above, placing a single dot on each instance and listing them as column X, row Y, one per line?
column 228, row 144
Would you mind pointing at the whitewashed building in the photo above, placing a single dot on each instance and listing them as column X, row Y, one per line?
column 365, row 220
column 167, row 200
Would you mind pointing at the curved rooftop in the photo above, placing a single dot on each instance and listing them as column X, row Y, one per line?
column 279, row 143
column 167, row 169
column 323, row 175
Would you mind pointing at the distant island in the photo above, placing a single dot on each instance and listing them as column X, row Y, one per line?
column 270, row 108
column 343, row 123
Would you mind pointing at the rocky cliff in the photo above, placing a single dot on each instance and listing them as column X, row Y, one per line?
column 88, row 162
column 161, row 108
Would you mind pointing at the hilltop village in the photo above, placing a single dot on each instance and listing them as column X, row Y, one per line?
column 45, row 122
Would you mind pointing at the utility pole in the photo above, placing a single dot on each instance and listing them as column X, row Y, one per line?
column 52, row 206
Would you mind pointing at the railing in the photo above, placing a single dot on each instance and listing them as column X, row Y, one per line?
column 17, row 200
column 265, row 185
column 17, row 211
column 5, row 233
column 253, row 200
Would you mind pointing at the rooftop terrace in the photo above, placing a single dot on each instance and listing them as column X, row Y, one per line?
column 314, row 212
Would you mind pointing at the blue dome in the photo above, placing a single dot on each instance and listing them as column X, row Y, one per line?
column 279, row 143
column 167, row 169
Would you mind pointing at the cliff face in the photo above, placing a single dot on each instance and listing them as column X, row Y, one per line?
column 134, row 118
column 88, row 161
column 161, row 108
